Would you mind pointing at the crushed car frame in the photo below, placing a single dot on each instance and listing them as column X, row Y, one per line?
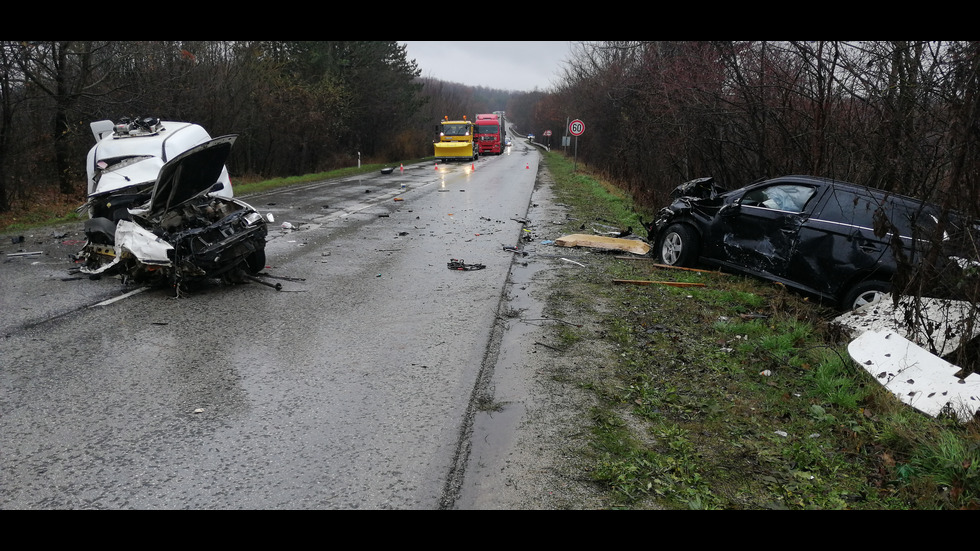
column 827, row 238
column 161, row 209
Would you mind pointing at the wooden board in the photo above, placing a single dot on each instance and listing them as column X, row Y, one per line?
column 645, row 282
column 601, row 242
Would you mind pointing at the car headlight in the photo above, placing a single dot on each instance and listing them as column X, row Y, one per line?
column 252, row 218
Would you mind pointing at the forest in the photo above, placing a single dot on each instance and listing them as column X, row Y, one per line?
column 297, row 107
column 901, row 116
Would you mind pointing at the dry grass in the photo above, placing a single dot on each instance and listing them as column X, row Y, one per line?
column 39, row 208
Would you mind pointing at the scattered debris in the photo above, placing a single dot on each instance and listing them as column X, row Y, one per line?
column 915, row 376
column 25, row 254
column 573, row 262
column 600, row 242
column 458, row 264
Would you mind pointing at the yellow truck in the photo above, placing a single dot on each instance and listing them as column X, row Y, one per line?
column 456, row 141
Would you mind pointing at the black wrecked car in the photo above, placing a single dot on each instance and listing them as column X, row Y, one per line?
column 815, row 235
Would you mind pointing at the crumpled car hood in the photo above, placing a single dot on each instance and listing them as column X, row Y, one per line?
column 701, row 188
column 189, row 174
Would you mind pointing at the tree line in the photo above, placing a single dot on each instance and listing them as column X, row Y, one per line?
column 899, row 115
column 297, row 107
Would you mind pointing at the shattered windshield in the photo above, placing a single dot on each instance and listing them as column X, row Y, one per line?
column 121, row 162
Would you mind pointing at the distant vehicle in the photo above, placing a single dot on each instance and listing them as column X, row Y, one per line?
column 161, row 208
column 530, row 136
column 456, row 141
column 489, row 134
column 815, row 235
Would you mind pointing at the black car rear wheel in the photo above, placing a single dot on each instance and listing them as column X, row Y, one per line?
column 678, row 246
column 865, row 292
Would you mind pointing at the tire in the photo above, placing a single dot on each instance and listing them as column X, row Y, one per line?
column 863, row 293
column 678, row 246
column 255, row 262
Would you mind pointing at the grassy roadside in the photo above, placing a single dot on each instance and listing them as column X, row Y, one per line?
column 738, row 394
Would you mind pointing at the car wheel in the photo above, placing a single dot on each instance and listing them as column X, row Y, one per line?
column 865, row 292
column 255, row 262
column 679, row 246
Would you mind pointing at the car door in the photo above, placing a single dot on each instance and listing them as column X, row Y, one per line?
column 838, row 241
column 758, row 232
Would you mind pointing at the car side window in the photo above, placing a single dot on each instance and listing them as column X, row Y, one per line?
column 868, row 211
column 850, row 208
column 788, row 197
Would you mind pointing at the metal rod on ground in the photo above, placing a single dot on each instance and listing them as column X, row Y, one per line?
column 276, row 286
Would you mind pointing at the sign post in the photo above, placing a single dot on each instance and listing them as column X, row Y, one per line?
column 576, row 128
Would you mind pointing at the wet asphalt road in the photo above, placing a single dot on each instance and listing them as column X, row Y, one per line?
column 348, row 389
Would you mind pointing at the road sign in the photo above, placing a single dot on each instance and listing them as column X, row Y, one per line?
column 547, row 132
column 576, row 127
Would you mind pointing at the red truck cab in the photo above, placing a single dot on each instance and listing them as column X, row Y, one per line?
column 489, row 134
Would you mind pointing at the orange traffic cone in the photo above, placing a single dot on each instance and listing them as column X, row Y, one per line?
column 437, row 166
column 401, row 168
column 473, row 166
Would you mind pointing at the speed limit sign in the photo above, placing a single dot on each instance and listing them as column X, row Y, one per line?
column 576, row 127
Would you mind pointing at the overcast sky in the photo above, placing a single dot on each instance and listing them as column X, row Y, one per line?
column 518, row 66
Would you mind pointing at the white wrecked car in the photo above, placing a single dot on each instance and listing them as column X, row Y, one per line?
column 161, row 207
